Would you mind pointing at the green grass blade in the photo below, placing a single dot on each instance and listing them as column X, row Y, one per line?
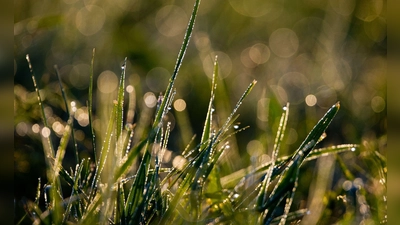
column 134, row 202
column 129, row 159
column 239, row 102
column 48, row 149
column 262, row 196
column 55, row 181
column 208, row 122
column 287, row 181
column 312, row 138
column 289, row 199
column 120, row 205
column 291, row 217
column 91, row 211
column 77, row 176
column 64, row 96
column 319, row 129
column 90, row 106
column 104, row 150
column 181, row 54
column 231, row 179
column 120, row 107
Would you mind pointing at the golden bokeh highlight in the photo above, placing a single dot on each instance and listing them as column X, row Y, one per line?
column 107, row 82
column 150, row 100
column 179, row 105
column 45, row 132
column 284, row 42
column 171, row 20
column 90, row 19
column 311, row 100
column 82, row 116
column 259, row 53
column 58, row 128
column 35, row 128
column 21, row 129
column 179, row 162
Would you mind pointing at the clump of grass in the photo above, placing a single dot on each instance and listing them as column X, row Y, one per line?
column 115, row 192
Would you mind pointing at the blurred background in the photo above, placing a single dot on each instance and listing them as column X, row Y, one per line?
column 310, row 53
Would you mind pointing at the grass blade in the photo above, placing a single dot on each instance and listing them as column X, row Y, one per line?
column 208, row 122
column 90, row 106
column 262, row 196
column 312, row 138
column 64, row 96
column 104, row 150
column 50, row 153
column 181, row 54
column 120, row 107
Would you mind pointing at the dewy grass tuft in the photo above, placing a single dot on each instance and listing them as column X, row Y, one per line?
column 126, row 184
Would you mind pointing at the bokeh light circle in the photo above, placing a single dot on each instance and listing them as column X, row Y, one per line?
column 284, row 42
column 107, row 82
column 171, row 20
column 90, row 19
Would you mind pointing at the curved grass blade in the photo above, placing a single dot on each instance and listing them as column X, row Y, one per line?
column 70, row 115
column 234, row 177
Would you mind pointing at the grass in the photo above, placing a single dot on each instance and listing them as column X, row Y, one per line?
column 129, row 185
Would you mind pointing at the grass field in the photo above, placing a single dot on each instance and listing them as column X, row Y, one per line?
column 272, row 113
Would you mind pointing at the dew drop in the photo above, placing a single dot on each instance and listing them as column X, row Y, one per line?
column 212, row 109
column 353, row 149
column 284, row 108
column 236, row 126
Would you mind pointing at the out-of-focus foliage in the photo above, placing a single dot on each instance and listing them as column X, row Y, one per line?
column 309, row 53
